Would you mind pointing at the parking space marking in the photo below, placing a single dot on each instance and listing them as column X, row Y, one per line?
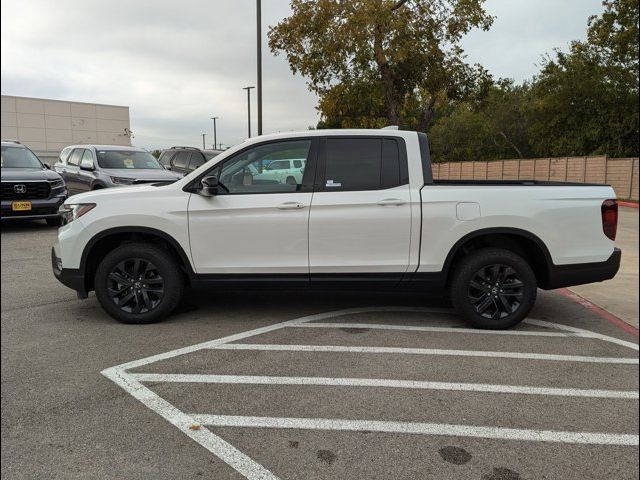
column 439, row 429
column 194, row 425
column 382, row 383
column 422, row 351
column 416, row 328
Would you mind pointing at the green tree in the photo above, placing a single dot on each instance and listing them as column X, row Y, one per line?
column 493, row 126
column 585, row 101
column 376, row 62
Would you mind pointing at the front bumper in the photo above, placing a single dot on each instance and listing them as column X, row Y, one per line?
column 40, row 209
column 581, row 273
column 70, row 277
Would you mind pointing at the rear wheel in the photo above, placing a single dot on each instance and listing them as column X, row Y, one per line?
column 493, row 288
column 138, row 283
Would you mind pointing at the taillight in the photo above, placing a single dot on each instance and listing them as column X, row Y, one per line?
column 609, row 211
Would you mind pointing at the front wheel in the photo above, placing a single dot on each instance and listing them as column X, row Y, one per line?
column 138, row 283
column 493, row 288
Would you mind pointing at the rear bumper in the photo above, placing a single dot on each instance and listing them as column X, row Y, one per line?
column 69, row 277
column 581, row 273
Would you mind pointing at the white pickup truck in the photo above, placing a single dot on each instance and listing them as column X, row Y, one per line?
column 366, row 213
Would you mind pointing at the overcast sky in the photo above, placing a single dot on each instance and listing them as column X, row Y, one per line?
column 177, row 63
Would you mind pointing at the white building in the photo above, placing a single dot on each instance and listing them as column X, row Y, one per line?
column 47, row 126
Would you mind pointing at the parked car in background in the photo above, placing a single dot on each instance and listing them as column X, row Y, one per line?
column 287, row 171
column 366, row 214
column 30, row 190
column 91, row 167
column 185, row 159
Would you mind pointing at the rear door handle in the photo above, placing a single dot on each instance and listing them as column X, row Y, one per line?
column 290, row 206
column 391, row 202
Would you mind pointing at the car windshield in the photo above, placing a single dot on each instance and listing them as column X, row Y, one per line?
column 127, row 159
column 17, row 157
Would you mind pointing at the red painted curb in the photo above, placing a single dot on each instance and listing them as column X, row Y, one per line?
column 608, row 316
column 623, row 203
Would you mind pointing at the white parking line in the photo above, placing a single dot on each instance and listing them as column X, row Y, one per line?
column 191, row 424
column 415, row 328
column 422, row 351
column 381, row 383
column 440, row 429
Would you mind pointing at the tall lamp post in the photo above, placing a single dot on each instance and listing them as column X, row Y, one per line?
column 215, row 137
column 259, row 55
column 248, row 89
column 203, row 140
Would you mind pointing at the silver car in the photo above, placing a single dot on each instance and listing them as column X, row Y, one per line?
column 89, row 167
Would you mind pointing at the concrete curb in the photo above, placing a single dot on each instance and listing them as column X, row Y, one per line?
column 601, row 312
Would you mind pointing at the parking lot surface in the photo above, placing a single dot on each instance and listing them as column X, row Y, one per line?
column 305, row 385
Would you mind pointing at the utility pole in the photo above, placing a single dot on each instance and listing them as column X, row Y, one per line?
column 203, row 140
column 248, row 89
column 259, row 55
column 215, row 137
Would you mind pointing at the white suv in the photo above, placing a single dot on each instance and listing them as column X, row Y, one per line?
column 283, row 171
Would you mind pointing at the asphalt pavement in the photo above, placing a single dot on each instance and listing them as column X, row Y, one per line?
column 298, row 385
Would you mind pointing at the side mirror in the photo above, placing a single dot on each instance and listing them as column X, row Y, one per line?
column 88, row 168
column 209, row 186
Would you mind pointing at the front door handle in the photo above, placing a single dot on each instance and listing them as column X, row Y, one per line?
column 391, row 202
column 290, row 206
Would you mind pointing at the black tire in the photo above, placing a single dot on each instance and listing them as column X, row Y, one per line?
column 53, row 222
column 291, row 181
column 145, row 271
column 493, row 288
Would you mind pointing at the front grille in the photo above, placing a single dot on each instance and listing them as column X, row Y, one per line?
column 32, row 190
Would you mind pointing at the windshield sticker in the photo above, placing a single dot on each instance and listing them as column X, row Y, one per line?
column 128, row 163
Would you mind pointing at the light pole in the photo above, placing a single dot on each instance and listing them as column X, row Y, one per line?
column 203, row 140
column 259, row 55
column 248, row 89
column 215, row 137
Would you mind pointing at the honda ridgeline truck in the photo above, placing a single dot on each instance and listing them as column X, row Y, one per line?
column 365, row 213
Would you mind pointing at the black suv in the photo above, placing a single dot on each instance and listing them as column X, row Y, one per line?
column 30, row 190
column 185, row 159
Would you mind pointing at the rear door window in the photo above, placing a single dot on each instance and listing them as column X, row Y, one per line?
column 363, row 164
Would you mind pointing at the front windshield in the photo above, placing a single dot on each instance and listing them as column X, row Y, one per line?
column 16, row 157
column 127, row 159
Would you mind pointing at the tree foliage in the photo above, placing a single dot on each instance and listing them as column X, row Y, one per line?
column 379, row 62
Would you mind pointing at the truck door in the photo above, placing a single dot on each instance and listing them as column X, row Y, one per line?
column 360, row 219
column 254, row 226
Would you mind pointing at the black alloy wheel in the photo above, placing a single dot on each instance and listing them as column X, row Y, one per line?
column 493, row 288
column 135, row 286
column 496, row 291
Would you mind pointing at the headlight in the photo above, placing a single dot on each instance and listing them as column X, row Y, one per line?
column 57, row 184
column 70, row 212
column 122, row 180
